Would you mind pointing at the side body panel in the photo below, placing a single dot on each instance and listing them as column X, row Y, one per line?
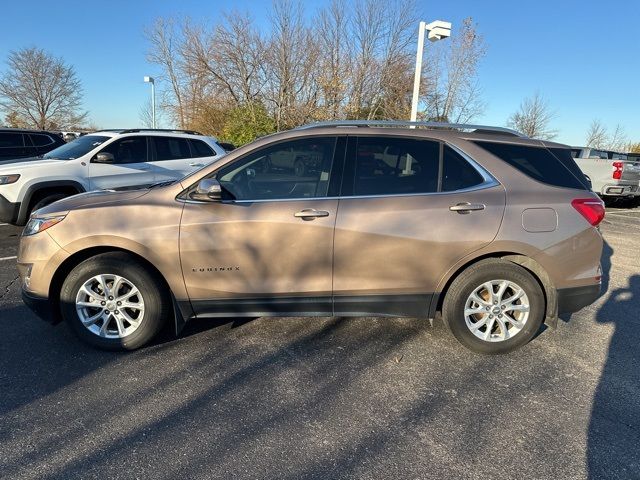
column 259, row 251
column 402, row 245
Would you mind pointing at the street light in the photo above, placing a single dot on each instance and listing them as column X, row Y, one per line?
column 153, row 100
column 437, row 31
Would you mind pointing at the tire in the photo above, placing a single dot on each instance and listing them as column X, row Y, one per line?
column 299, row 168
column 459, row 298
column 48, row 200
column 150, row 310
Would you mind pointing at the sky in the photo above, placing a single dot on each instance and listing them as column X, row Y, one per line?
column 582, row 56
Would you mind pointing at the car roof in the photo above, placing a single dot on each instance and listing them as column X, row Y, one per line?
column 432, row 133
column 115, row 132
column 24, row 130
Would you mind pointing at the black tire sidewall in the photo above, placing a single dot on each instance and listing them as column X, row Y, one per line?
column 156, row 302
column 48, row 200
column 463, row 286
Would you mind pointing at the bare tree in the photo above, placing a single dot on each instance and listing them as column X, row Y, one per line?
column 145, row 115
column 334, row 58
column 164, row 51
column 597, row 136
column 618, row 140
column 291, row 59
column 451, row 76
column 40, row 90
column 533, row 118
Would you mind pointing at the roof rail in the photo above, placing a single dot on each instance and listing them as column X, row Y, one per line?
column 403, row 123
column 137, row 130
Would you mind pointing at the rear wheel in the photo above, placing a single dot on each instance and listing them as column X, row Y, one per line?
column 114, row 302
column 495, row 306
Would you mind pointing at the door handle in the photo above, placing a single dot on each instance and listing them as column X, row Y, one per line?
column 310, row 214
column 466, row 207
column 196, row 164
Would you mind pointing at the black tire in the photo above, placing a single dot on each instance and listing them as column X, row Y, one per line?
column 48, row 200
column 157, row 303
column 470, row 279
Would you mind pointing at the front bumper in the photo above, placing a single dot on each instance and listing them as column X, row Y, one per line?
column 573, row 299
column 40, row 306
column 8, row 211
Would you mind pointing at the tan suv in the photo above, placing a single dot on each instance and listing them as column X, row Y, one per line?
column 495, row 231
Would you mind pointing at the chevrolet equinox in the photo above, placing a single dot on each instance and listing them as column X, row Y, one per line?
column 492, row 231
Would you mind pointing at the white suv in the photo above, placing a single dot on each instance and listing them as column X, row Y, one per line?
column 107, row 159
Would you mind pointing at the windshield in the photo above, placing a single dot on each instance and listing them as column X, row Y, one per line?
column 76, row 148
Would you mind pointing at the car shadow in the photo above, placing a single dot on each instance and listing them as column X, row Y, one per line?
column 613, row 436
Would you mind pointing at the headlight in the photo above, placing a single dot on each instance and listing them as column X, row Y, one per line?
column 7, row 179
column 40, row 224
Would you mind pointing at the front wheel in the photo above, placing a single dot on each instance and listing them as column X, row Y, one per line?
column 114, row 302
column 495, row 306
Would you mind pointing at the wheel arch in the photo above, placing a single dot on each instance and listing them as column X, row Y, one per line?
column 180, row 310
column 528, row 263
column 34, row 190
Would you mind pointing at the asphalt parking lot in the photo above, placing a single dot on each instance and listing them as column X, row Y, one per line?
column 328, row 398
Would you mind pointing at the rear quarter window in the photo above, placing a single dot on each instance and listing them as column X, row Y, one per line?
column 539, row 163
column 200, row 149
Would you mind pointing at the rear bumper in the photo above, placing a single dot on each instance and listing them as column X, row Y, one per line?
column 40, row 306
column 8, row 211
column 620, row 190
column 573, row 299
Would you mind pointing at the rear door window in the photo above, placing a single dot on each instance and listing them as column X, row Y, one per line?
column 171, row 148
column 11, row 140
column 457, row 173
column 392, row 166
column 539, row 163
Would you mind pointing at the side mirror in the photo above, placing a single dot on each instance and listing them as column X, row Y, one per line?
column 104, row 157
column 208, row 190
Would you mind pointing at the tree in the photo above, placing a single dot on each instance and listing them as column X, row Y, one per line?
column 246, row 123
column 633, row 147
column 598, row 136
column 41, row 91
column 450, row 80
column 533, row 118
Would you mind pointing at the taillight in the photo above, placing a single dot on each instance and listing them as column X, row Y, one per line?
column 590, row 208
column 617, row 170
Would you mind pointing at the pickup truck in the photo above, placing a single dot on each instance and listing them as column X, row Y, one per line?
column 613, row 175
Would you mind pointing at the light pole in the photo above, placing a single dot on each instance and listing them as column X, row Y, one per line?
column 437, row 31
column 153, row 100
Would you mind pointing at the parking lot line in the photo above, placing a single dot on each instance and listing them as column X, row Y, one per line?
column 7, row 258
column 1, row 224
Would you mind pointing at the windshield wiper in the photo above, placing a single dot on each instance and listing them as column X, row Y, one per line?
column 162, row 184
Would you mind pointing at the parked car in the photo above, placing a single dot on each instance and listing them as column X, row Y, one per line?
column 17, row 143
column 108, row 159
column 613, row 175
column 495, row 231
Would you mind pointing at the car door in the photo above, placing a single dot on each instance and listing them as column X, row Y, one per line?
column 174, row 157
column 267, row 248
column 128, row 169
column 403, row 223
column 12, row 145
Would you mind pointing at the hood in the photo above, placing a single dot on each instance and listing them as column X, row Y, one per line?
column 29, row 162
column 91, row 199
